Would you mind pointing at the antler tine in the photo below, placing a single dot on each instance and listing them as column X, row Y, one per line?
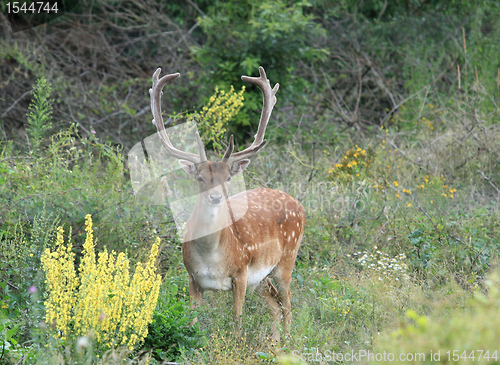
column 269, row 100
column 156, row 94
column 229, row 150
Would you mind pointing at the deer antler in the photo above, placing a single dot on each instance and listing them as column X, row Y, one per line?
column 268, row 104
column 156, row 94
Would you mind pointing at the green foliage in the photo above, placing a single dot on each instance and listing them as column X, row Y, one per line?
column 21, row 270
column 9, row 325
column 24, row 245
column 464, row 335
column 244, row 35
column 21, row 312
column 241, row 36
column 341, row 303
column 386, row 10
column 74, row 173
column 40, row 115
column 170, row 335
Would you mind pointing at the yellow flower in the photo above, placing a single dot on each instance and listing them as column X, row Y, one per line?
column 396, row 183
column 101, row 298
column 221, row 108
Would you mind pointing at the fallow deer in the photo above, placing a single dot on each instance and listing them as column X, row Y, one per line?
column 223, row 253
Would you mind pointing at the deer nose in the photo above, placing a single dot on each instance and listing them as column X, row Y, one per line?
column 215, row 198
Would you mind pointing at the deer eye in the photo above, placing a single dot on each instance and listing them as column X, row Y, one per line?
column 199, row 179
column 229, row 179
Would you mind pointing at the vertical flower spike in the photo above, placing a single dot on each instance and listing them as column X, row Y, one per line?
column 99, row 301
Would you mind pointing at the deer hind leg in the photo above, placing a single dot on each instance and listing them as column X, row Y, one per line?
column 283, row 277
column 269, row 293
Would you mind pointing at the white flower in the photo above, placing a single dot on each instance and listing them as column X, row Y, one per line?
column 82, row 343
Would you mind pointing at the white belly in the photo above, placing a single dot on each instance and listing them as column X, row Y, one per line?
column 210, row 279
column 256, row 275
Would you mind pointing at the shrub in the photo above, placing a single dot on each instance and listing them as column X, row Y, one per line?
column 465, row 335
column 169, row 334
column 356, row 161
column 101, row 300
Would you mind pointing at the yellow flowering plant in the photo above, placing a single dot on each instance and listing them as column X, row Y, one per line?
column 216, row 114
column 100, row 300
column 356, row 161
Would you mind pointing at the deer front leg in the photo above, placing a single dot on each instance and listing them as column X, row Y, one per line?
column 195, row 296
column 239, row 291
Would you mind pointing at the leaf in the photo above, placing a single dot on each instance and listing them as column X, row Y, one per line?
column 263, row 355
column 11, row 332
column 174, row 289
column 300, row 280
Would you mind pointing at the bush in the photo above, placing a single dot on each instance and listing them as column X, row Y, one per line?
column 466, row 335
column 170, row 336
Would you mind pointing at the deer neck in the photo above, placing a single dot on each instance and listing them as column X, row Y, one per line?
column 208, row 224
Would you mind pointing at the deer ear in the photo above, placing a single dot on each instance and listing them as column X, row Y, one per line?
column 239, row 166
column 189, row 167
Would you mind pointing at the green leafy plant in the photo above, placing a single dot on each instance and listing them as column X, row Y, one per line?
column 467, row 335
column 243, row 35
column 170, row 334
column 40, row 115
column 9, row 324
